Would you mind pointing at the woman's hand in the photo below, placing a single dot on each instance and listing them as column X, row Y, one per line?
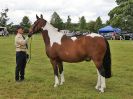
column 30, row 32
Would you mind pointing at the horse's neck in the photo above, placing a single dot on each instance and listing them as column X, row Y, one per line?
column 46, row 38
column 53, row 34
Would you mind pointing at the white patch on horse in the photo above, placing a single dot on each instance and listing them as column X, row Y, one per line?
column 54, row 35
column 94, row 35
column 73, row 38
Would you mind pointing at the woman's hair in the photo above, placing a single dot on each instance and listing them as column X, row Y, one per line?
column 18, row 27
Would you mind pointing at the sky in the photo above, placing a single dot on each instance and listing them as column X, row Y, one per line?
column 91, row 9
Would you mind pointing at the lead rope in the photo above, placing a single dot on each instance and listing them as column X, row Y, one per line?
column 29, row 50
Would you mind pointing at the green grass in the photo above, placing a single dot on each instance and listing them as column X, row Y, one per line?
column 80, row 77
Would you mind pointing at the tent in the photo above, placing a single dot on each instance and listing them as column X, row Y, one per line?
column 108, row 29
column 117, row 30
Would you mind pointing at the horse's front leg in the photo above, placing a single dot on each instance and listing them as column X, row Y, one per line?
column 55, row 68
column 60, row 64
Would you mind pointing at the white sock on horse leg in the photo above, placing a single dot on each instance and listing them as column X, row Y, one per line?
column 56, row 81
column 103, row 85
column 62, row 78
column 98, row 85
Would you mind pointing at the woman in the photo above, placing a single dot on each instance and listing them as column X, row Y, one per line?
column 21, row 56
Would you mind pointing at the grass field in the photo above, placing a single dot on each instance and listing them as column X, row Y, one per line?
column 80, row 77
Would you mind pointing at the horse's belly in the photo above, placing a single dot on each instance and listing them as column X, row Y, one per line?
column 72, row 57
column 72, row 60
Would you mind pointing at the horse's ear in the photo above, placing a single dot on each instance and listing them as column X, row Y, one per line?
column 37, row 17
column 41, row 16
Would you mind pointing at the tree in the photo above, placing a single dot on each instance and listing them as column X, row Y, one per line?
column 4, row 18
column 75, row 27
column 122, row 15
column 26, row 24
column 82, row 24
column 98, row 24
column 68, row 24
column 56, row 21
column 120, row 1
column 91, row 26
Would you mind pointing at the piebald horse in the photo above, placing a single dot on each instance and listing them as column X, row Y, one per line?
column 60, row 48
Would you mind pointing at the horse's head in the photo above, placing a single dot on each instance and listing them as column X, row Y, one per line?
column 38, row 24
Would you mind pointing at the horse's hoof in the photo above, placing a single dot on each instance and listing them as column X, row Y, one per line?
column 101, row 90
column 56, row 85
column 97, row 87
column 61, row 83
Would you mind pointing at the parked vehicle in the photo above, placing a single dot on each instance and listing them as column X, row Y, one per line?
column 3, row 31
column 127, row 36
column 108, row 36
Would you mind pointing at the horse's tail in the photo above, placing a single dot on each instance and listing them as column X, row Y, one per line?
column 107, row 61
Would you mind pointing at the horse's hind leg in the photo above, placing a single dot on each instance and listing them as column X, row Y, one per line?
column 101, row 80
column 55, row 67
column 60, row 65
column 98, row 85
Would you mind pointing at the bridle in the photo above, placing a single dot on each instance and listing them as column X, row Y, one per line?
column 29, row 51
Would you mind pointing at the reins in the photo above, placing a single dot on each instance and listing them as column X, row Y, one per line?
column 29, row 50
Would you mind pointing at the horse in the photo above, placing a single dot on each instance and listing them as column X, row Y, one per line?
column 61, row 48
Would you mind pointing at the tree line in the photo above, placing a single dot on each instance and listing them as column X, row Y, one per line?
column 121, row 16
